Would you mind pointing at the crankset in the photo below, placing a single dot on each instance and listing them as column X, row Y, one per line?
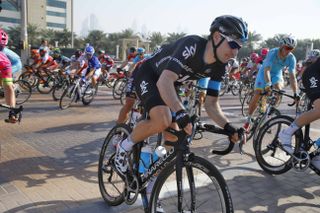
column 300, row 161
column 131, row 191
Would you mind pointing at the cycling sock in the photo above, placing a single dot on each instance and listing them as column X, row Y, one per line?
column 292, row 128
column 127, row 144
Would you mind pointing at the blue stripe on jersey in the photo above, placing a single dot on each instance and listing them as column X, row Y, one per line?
column 214, row 85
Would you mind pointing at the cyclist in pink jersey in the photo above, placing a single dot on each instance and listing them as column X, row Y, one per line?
column 6, row 78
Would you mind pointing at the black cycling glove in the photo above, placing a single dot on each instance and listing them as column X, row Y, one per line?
column 182, row 118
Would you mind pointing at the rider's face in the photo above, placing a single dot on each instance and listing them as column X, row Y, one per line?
column 225, row 50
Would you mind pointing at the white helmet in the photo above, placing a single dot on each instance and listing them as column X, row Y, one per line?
column 288, row 41
column 313, row 54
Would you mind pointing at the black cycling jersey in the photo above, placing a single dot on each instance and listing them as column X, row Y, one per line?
column 185, row 57
column 311, row 80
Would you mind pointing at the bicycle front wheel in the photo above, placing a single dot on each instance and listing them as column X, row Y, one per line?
column 111, row 184
column 22, row 90
column 211, row 193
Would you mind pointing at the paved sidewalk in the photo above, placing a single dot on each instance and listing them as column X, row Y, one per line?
column 48, row 163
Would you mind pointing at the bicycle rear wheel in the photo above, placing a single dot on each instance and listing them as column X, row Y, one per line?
column 211, row 191
column 111, row 184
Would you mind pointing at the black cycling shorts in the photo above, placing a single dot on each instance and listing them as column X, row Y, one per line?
column 311, row 83
column 145, row 82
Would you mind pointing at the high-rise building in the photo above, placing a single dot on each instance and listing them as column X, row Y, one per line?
column 53, row 14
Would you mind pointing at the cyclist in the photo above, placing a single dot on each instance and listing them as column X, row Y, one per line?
column 311, row 83
column 6, row 77
column 132, row 54
column 130, row 90
column 270, row 73
column 94, row 66
column 189, row 58
column 106, row 63
column 62, row 60
column 77, row 64
column 47, row 61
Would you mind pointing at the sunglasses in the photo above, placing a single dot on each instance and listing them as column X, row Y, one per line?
column 234, row 44
column 288, row 48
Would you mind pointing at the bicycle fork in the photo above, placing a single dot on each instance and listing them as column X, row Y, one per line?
column 180, row 159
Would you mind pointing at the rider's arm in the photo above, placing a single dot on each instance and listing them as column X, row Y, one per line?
column 214, row 111
column 292, row 73
column 293, row 82
column 167, row 91
column 267, row 76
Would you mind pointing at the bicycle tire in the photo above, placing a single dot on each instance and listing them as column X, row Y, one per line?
column 69, row 95
column 47, row 86
column 166, row 180
column 106, row 191
column 269, row 156
column 88, row 95
column 59, row 89
column 22, row 90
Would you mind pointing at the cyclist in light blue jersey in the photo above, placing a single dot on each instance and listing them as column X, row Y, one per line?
column 270, row 73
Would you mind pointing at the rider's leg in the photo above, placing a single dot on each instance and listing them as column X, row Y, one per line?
column 252, row 107
column 123, row 115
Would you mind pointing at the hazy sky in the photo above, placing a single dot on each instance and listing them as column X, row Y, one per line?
column 266, row 17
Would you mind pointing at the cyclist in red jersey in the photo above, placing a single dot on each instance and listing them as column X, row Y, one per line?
column 132, row 54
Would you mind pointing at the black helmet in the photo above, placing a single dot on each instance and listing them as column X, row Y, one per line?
column 78, row 53
column 231, row 26
column 132, row 50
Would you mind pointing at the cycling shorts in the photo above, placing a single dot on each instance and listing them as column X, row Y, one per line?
column 260, row 83
column 203, row 83
column 145, row 82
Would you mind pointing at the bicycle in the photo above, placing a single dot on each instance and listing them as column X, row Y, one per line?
column 270, row 111
column 75, row 91
column 22, row 91
column 269, row 151
column 181, row 175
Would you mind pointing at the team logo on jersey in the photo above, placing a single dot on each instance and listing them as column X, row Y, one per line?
column 189, row 51
column 143, row 87
column 313, row 82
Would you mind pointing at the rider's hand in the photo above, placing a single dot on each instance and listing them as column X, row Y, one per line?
column 268, row 90
column 183, row 120
column 233, row 132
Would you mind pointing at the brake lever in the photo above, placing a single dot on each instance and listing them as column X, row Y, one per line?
column 243, row 139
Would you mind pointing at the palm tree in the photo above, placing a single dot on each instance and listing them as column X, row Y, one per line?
column 253, row 40
column 172, row 37
column 156, row 38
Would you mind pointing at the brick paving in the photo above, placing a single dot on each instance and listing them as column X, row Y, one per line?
column 49, row 164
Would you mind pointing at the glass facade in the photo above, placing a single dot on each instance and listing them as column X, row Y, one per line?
column 10, row 20
column 56, row 25
column 57, row 14
column 54, row 3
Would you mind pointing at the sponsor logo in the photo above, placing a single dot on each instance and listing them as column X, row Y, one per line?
column 189, row 51
column 313, row 82
column 143, row 87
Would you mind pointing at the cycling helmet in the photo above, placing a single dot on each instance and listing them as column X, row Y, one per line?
column 140, row 50
column 101, row 52
column 254, row 57
column 132, row 50
column 233, row 63
column 78, row 53
column 3, row 38
column 288, row 41
column 89, row 50
column 231, row 26
column 34, row 52
column 264, row 52
column 315, row 53
column 56, row 51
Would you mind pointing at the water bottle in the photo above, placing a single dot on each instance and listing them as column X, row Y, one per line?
column 145, row 159
column 159, row 152
column 317, row 144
